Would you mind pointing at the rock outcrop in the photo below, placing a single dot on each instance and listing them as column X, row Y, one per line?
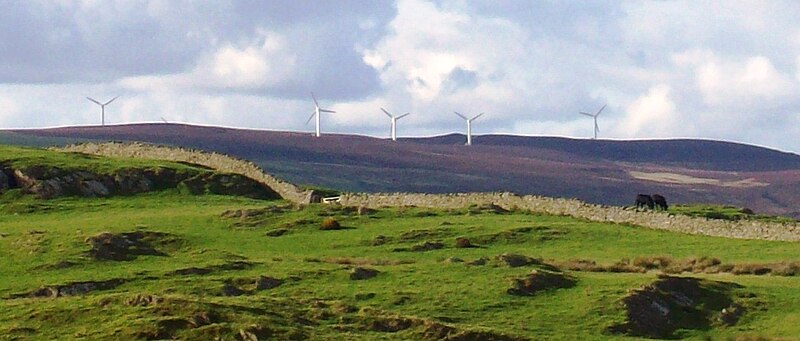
column 48, row 182
column 218, row 162
column 4, row 182
column 52, row 182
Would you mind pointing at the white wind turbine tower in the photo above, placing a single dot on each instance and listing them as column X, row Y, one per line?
column 394, row 122
column 102, row 107
column 469, row 126
column 594, row 116
column 317, row 111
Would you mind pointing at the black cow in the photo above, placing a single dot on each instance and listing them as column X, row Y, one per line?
column 660, row 202
column 644, row 200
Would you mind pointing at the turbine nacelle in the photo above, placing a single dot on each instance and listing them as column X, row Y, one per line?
column 102, row 107
column 316, row 113
column 394, row 122
column 594, row 117
column 469, row 126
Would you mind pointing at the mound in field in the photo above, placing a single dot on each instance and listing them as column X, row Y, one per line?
column 72, row 289
column 661, row 308
column 128, row 245
column 539, row 281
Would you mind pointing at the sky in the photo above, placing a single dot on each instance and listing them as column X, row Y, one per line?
column 727, row 70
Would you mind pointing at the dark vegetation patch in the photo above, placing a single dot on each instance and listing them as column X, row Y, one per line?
column 267, row 282
column 143, row 300
column 64, row 264
column 230, row 289
column 486, row 208
column 71, row 289
column 427, row 246
column 727, row 212
column 249, row 285
column 364, row 261
column 520, row 235
column 226, row 184
column 663, row 307
column 515, row 260
column 129, row 245
column 276, row 232
column 339, row 210
column 426, row 239
column 424, row 329
column 540, row 280
column 237, row 265
column 478, row 262
column 360, row 273
column 250, row 216
column 424, row 234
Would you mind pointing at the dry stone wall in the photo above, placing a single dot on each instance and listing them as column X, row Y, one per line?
column 215, row 161
column 582, row 210
column 556, row 206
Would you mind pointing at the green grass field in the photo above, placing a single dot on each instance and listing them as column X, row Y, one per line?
column 197, row 275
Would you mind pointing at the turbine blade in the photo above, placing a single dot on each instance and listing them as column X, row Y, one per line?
column 596, row 127
column 387, row 113
column 601, row 109
column 315, row 99
column 403, row 115
column 93, row 100
column 111, row 100
column 476, row 116
column 586, row 113
column 310, row 117
column 462, row 116
column 326, row 110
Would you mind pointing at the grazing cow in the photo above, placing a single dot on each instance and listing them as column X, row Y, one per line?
column 644, row 200
column 660, row 202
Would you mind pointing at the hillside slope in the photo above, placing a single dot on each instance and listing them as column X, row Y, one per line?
column 171, row 264
column 597, row 171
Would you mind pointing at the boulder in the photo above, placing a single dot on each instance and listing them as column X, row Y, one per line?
column 93, row 188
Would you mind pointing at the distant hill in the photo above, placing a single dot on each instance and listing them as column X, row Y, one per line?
column 598, row 171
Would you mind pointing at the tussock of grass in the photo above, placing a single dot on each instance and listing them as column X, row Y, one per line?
column 668, row 265
column 365, row 261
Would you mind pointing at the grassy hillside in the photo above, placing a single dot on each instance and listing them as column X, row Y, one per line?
column 165, row 265
column 595, row 171
column 23, row 157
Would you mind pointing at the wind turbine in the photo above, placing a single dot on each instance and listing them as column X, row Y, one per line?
column 469, row 126
column 317, row 111
column 394, row 122
column 594, row 116
column 102, row 107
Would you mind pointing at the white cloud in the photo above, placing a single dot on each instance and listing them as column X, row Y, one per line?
column 665, row 69
column 438, row 55
column 9, row 111
column 266, row 61
column 653, row 115
column 740, row 82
